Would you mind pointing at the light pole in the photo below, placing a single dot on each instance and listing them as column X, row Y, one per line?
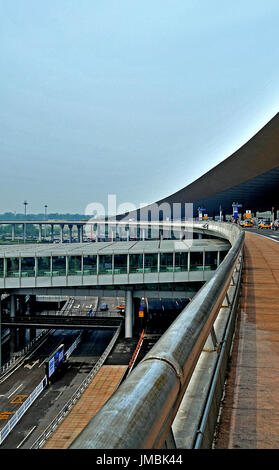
column 24, row 228
column 45, row 218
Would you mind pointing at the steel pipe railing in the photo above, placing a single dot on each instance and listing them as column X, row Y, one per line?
column 140, row 413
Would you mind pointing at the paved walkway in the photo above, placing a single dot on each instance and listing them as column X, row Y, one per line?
column 94, row 397
column 250, row 417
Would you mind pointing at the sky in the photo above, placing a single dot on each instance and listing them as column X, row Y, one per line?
column 131, row 98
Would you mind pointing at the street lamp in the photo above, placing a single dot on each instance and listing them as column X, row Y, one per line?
column 24, row 228
column 45, row 218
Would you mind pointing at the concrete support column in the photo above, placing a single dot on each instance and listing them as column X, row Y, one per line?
column 32, row 311
column 12, row 305
column 52, row 232
column 21, row 304
column 61, row 232
column 13, row 232
column 71, row 232
column 32, row 304
column 79, row 232
column 24, row 233
column 40, row 232
column 129, row 314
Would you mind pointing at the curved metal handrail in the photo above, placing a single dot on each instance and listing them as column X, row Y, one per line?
column 140, row 413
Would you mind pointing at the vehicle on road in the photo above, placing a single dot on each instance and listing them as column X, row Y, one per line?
column 104, row 307
column 247, row 223
column 275, row 224
column 264, row 224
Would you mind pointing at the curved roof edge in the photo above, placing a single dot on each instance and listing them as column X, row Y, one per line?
column 257, row 156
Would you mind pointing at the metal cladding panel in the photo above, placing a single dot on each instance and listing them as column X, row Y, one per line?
column 27, row 282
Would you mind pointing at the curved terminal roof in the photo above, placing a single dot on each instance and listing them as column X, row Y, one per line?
column 249, row 176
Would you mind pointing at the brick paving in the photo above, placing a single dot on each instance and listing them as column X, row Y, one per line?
column 94, row 397
column 250, row 415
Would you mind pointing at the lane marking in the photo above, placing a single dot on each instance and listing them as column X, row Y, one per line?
column 19, row 399
column 29, row 366
column 265, row 236
column 21, row 385
column 26, row 437
column 5, row 414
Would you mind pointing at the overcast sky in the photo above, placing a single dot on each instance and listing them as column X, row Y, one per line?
column 134, row 98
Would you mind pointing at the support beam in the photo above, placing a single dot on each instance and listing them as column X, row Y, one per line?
column 61, row 232
column 13, row 232
column 52, row 232
column 129, row 314
column 12, row 305
column 71, row 232
column 40, row 232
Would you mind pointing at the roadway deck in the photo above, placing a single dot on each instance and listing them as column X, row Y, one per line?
column 250, row 415
column 94, row 397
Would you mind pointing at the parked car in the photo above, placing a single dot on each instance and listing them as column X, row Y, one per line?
column 275, row 224
column 264, row 224
column 247, row 223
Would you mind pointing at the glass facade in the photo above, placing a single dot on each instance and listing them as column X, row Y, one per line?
column 120, row 264
column 196, row 261
column 44, row 266
column 166, row 262
column 136, row 263
column 12, row 267
column 59, row 265
column 181, row 261
column 210, row 261
column 89, row 265
column 1, row 267
column 105, row 264
column 74, row 266
column 150, row 263
column 108, row 264
column 27, row 267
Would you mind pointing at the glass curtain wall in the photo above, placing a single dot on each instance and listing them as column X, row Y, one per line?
column 120, row 264
column 210, row 262
column 136, row 263
column 44, row 266
column 59, row 265
column 12, row 267
column 89, row 265
column 166, row 262
column 181, row 261
column 105, row 264
column 74, row 266
column 196, row 261
column 28, row 267
column 150, row 263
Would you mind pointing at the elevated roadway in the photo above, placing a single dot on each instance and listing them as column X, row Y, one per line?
column 61, row 322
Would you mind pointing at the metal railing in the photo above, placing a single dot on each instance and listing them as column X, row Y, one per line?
column 140, row 413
